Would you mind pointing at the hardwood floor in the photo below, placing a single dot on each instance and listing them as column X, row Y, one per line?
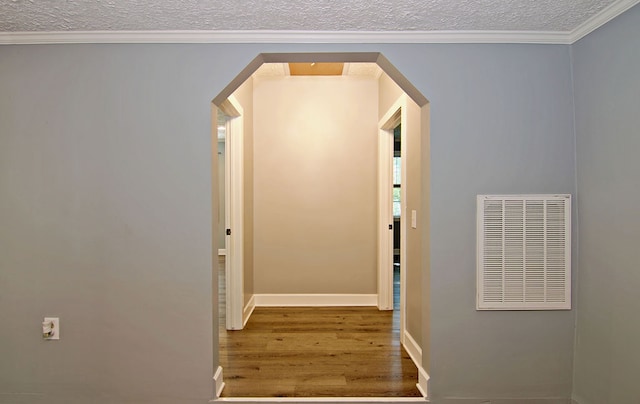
column 316, row 352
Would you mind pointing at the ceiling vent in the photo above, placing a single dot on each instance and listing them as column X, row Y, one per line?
column 524, row 252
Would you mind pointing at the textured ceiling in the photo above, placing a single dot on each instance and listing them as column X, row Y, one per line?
column 311, row 15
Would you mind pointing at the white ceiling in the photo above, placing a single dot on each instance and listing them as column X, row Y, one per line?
column 307, row 15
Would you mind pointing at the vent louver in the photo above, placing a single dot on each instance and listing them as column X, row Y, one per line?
column 524, row 252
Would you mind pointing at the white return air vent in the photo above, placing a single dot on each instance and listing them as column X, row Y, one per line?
column 524, row 252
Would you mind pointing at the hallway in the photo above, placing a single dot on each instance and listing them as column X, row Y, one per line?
column 316, row 352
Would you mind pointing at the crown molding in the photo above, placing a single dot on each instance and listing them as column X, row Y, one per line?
column 607, row 14
column 183, row 37
column 378, row 37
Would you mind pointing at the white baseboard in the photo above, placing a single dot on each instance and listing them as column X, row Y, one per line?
column 218, row 382
column 413, row 349
column 423, row 382
column 248, row 310
column 415, row 352
column 315, row 300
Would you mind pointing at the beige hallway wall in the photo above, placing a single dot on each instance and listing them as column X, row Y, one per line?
column 244, row 95
column 315, row 158
column 221, row 200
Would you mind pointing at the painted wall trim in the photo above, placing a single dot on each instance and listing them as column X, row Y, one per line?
column 218, row 382
column 285, row 36
column 607, row 14
column 413, row 349
column 385, row 214
column 315, row 300
column 248, row 310
column 415, row 353
column 234, row 214
column 255, row 36
column 222, row 251
column 423, row 382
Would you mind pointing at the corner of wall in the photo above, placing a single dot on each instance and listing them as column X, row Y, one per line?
column 575, row 230
column 248, row 309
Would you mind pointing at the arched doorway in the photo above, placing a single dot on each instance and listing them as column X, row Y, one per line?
column 417, row 219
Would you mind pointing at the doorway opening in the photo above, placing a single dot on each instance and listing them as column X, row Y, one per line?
column 418, row 265
column 397, row 214
column 221, row 130
column 230, row 130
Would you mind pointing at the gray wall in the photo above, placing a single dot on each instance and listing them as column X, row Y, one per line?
column 607, row 94
column 106, row 213
column 501, row 122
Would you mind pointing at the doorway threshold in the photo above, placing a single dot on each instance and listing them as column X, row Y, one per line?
column 322, row 400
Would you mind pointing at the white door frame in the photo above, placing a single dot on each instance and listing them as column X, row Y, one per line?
column 397, row 114
column 234, row 212
column 385, row 220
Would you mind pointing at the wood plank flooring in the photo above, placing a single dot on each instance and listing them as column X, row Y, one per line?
column 317, row 352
